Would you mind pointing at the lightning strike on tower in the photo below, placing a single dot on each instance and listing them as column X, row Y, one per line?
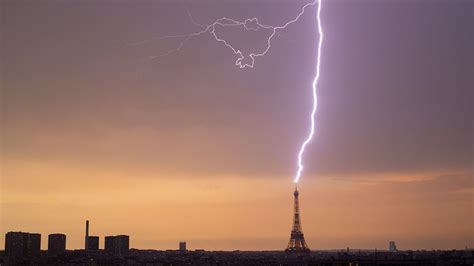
column 246, row 24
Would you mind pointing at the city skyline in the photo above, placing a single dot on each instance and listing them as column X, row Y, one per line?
column 191, row 148
column 24, row 248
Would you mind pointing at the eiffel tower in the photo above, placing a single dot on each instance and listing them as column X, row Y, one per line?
column 297, row 244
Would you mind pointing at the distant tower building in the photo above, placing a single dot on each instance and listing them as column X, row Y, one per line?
column 56, row 244
column 34, row 245
column 117, row 245
column 86, row 241
column 392, row 247
column 93, row 243
column 16, row 244
column 297, row 244
column 21, row 244
column 109, row 245
column 123, row 245
column 182, row 246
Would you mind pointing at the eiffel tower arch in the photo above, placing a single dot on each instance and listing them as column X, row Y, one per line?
column 297, row 244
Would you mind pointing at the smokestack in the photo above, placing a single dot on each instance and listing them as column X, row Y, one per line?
column 87, row 236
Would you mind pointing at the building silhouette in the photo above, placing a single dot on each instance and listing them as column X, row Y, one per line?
column 297, row 244
column 392, row 246
column 34, row 244
column 16, row 244
column 110, row 245
column 22, row 244
column 117, row 245
column 86, row 239
column 182, row 246
column 93, row 243
column 56, row 244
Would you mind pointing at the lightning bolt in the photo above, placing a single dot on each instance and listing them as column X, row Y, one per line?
column 315, row 97
column 252, row 24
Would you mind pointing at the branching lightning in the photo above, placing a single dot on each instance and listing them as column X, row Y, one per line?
column 252, row 24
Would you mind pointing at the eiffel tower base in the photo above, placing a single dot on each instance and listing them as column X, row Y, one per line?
column 297, row 244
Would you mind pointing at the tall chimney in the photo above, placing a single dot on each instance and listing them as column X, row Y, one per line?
column 87, row 236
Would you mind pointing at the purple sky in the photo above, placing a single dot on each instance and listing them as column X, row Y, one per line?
column 395, row 82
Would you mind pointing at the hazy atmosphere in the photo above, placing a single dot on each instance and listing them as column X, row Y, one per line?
column 190, row 147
